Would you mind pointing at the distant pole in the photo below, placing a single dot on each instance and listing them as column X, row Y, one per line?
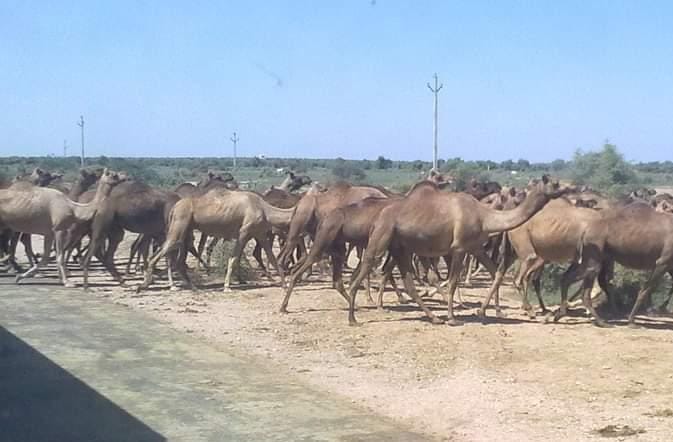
column 435, row 90
column 65, row 148
column 234, row 139
column 81, row 125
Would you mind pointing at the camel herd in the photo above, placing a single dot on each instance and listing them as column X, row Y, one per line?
column 483, row 225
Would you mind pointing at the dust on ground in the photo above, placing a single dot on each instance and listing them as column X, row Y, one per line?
column 508, row 379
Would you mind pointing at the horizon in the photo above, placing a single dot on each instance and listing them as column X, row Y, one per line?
column 339, row 79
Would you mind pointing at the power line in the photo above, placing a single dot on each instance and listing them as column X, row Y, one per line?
column 234, row 139
column 81, row 125
column 435, row 90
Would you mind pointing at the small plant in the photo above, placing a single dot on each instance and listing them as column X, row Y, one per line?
column 243, row 271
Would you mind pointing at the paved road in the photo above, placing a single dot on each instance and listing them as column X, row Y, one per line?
column 74, row 367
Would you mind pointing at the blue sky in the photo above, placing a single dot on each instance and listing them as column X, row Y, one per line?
column 347, row 78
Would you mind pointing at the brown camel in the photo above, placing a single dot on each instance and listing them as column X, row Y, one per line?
column 226, row 214
column 350, row 224
column 293, row 182
column 315, row 205
column 551, row 235
column 50, row 213
column 432, row 223
column 132, row 206
column 635, row 236
column 210, row 181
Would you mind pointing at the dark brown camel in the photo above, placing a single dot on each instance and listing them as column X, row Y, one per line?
column 433, row 223
column 349, row 224
column 315, row 205
column 132, row 206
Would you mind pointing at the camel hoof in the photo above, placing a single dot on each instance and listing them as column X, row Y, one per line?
column 69, row 285
column 174, row 288
column 227, row 290
column 283, row 310
column 500, row 314
column 549, row 317
column 453, row 322
column 481, row 313
column 602, row 324
column 436, row 321
column 17, row 280
column 632, row 325
column 558, row 315
column 354, row 323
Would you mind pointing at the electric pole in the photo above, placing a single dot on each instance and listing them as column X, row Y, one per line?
column 81, row 125
column 65, row 148
column 435, row 90
column 234, row 139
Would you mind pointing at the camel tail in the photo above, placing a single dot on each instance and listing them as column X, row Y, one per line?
column 580, row 247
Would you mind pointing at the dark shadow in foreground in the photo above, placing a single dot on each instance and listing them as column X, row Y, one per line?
column 40, row 401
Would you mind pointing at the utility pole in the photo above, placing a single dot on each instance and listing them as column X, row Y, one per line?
column 234, row 139
column 65, row 148
column 81, row 125
column 435, row 90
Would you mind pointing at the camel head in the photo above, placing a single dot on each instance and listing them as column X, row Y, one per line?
column 110, row 179
column 43, row 178
column 87, row 179
column 551, row 187
column 440, row 179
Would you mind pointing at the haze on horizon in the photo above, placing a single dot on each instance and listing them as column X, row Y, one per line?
column 533, row 80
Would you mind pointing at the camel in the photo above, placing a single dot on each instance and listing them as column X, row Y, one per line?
column 132, row 206
column 211, row 181
column 315, row 205
column 432, row 223
column 551, row 235
column 345, row 224
column 39, row 178
column 222, row 213
column 277, row 198
column 292, row 182
column 50, row 213
column 635, row 236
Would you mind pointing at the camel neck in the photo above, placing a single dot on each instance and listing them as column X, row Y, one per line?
column 496, row 221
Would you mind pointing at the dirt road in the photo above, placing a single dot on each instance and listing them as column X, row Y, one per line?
column 77, row 368
column 512, row 379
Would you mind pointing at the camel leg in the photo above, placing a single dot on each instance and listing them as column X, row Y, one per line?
column 503, row 266
column 533, row 274
column 60, row 258
column 27, row 242
column 199, row 249
column 48, row 241
column 649, row 286
column 210, row 249
column 134, row 250
column 115, row 237
column 536, row 279
column 257, row 254
column 239, row 246
column 387, row 275
column 266, row 245
column 404, row 263
column 454, row 275
column 338, row 263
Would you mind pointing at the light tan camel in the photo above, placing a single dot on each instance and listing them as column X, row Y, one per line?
column 432, row 223
column 222, row 213
column 552, row 235
column 48, row 212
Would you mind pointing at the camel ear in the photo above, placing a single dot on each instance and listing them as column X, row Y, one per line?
column 545, row 179
column 210, row 174
column 106, row 172
column 512, row 191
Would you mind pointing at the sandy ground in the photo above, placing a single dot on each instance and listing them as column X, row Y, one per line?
column 509, row 379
